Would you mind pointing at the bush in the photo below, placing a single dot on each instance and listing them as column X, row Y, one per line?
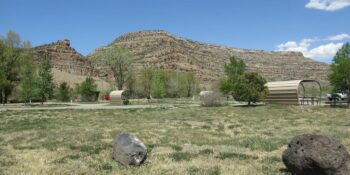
column 87, row 90
column 250, row 87
column 64, row 92
column 211, row 99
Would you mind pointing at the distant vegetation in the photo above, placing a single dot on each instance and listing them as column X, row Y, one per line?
column 87, row 90
column 23, row 81
column 15, row 57
column 118, row 61
column 158, row 83
column 243, row 86
column 340, row 76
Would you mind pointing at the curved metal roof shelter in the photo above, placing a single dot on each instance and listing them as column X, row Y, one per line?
column 117, row 97
column 286, row 92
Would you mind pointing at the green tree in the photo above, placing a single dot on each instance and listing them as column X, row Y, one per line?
column 28, row 88
column 130, row 85
column 190, row 84
column 146, row 78
column 225, row 87
column 64, row 92
column 88, row 90
column 158, row 88
column 45, row 81
column 174, row 84
column 340, row 75
column 234, row 69
column 118, row 61
column 4, row 83
column 250, row 87
column 13, row 39
column 10, row 64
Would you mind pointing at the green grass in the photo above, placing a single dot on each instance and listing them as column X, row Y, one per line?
column 212, row 141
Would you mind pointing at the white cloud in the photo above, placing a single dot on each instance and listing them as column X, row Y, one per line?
column 294, row 46
column 328, row 5
column 323, row 53
column 339, row 37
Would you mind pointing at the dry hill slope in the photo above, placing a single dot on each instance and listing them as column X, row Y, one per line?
column 166, row 51
column 68, row 65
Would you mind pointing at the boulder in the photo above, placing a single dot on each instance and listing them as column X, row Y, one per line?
column 129, row 150
column 316, row 155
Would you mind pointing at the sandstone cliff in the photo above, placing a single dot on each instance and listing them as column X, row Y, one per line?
column 64, row 58
column 67, row 64
column 163, row 50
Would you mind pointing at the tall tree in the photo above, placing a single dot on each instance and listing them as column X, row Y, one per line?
column 190, row 84
column 64, row 92
column 130, row 84
column 250, row 87
column 234, row 69
column 27, row 45
column 28, row 87
column 88, row 89
column 225, row 87
column 13, row 39
column 158, row 88
column 10, row 63
column 147, row 76
column 3, row 85
column 118, row 61
column 45, row 82
column 340, row 76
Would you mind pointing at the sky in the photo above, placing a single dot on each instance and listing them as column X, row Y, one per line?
column 317, row 28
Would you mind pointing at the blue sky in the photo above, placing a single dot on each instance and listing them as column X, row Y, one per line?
column 316, row 27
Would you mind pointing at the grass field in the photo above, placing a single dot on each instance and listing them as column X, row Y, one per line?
column 211, row 141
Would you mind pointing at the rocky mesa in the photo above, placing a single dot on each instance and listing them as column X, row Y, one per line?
column 165, row 51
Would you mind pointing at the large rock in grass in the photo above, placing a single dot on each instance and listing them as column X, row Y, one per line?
column 316, row 155
column 129, row 150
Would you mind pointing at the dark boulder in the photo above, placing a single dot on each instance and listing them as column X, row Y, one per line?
column 129, row 150
column 316, row 155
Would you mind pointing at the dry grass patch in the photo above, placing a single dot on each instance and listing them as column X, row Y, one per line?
column 212, row 141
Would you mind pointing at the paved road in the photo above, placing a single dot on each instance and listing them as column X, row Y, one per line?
column 93, row 107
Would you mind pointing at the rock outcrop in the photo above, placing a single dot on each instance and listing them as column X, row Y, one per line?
column 316, row 155
column 64, row 58
column 163, row 50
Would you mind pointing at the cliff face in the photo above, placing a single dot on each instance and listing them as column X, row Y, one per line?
column 165, row 51
column 64, row 58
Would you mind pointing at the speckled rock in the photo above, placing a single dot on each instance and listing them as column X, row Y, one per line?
column 316, row 155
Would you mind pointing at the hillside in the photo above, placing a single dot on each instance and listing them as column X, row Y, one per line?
column 166, row 51
column 68, row 65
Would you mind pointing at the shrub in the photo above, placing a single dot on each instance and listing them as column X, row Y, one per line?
column 250, row 87
column 87, row 90
column 64, row 92
column 211, row 99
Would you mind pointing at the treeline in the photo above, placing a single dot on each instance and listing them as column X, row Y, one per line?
column 16, row 67
column 150, row 82
column 22, row 81
column 156, row 83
